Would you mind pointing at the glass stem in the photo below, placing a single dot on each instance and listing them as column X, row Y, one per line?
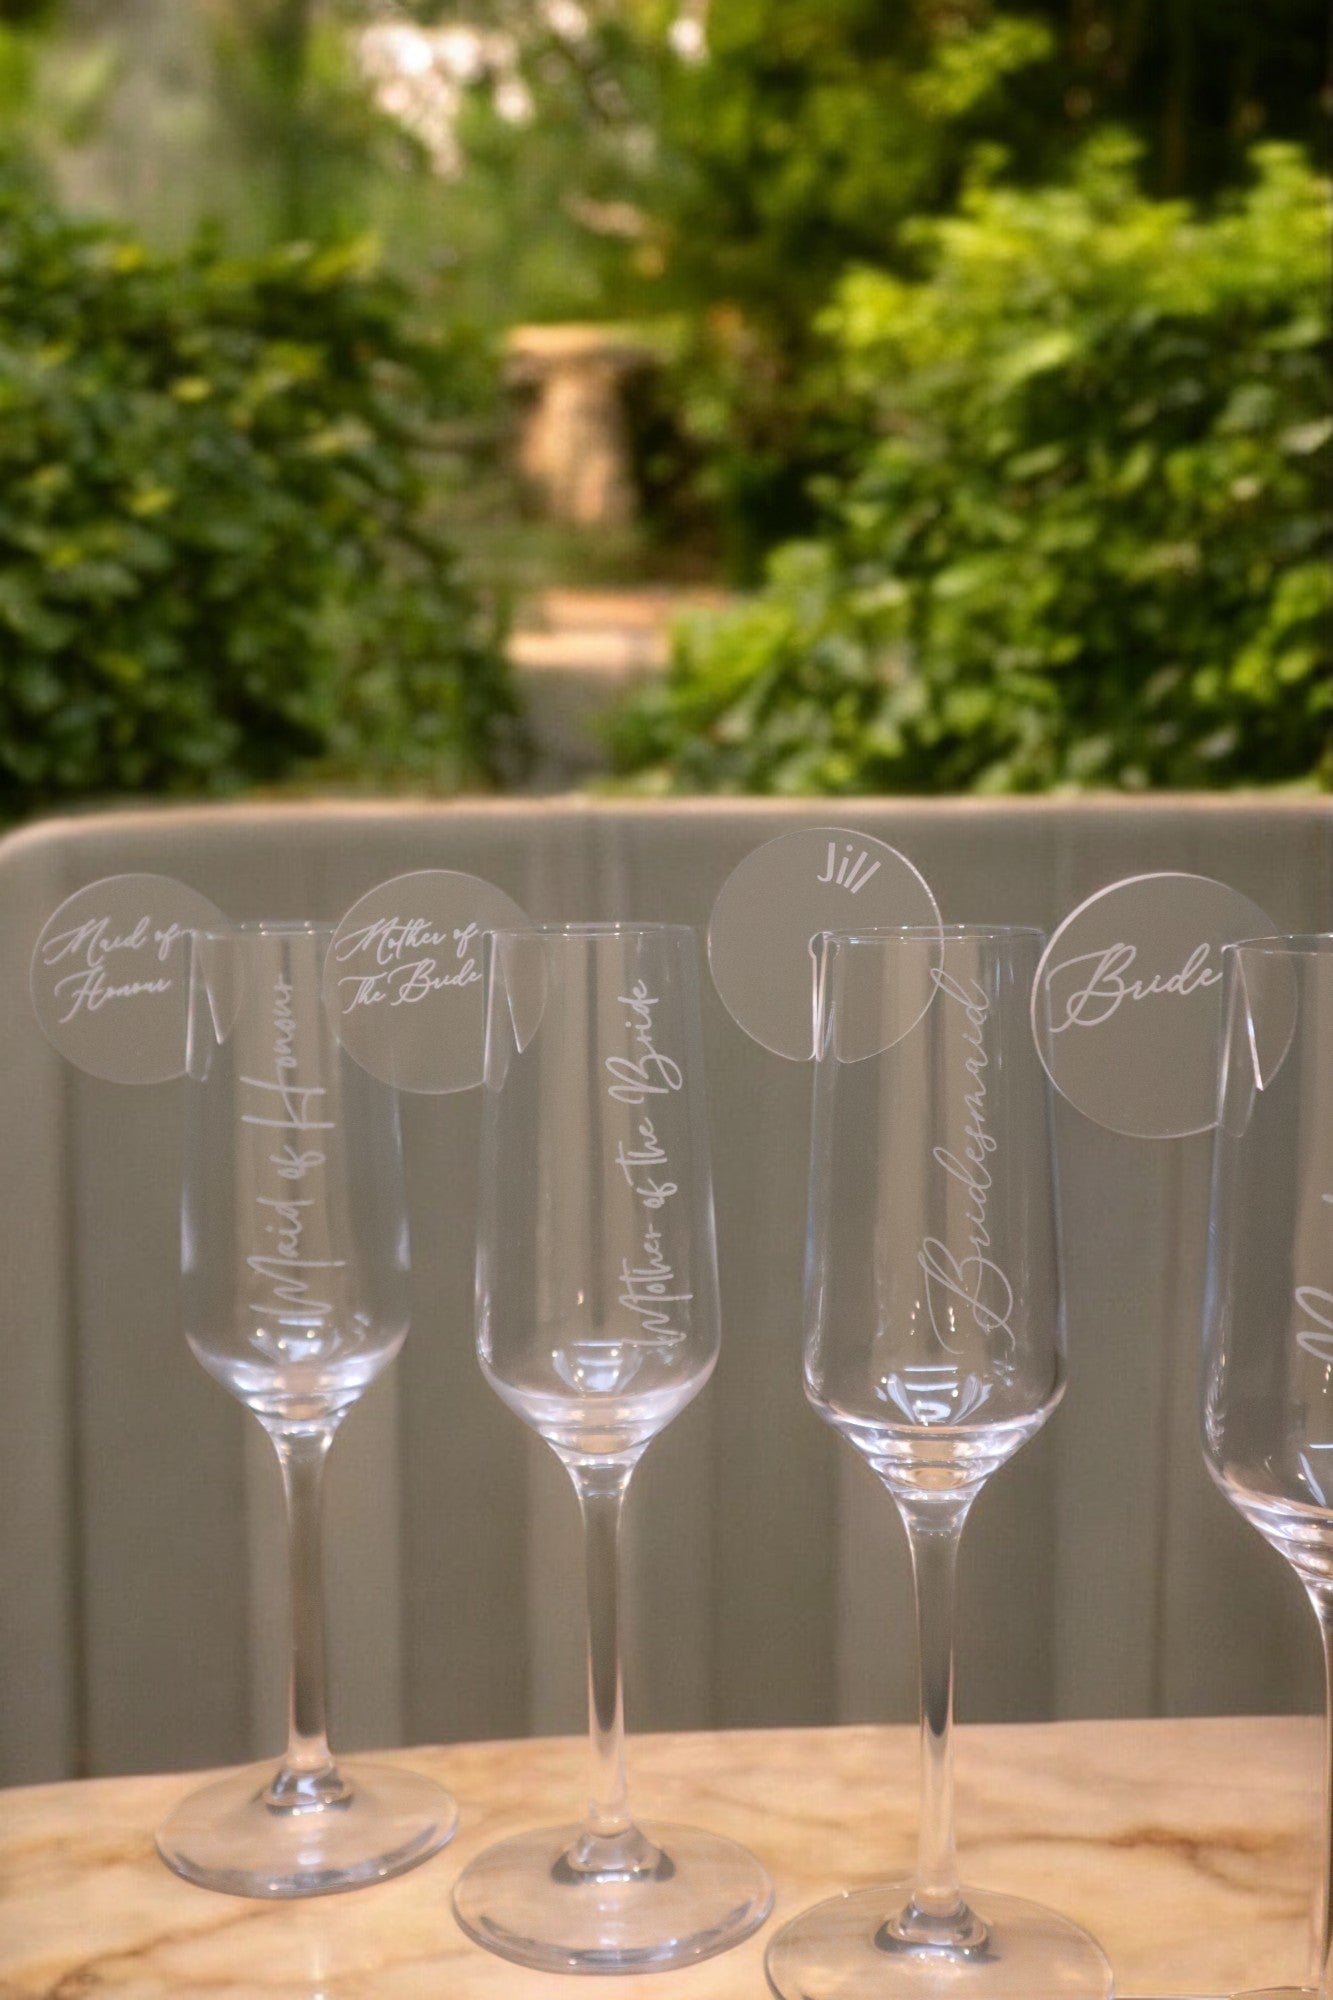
column 936, row 1914
column 608, row 1846
column 601, row 1491
column 307, row 1778
column 1321, row 1596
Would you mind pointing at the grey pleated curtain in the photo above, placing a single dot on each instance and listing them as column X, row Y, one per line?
column 141, row 1561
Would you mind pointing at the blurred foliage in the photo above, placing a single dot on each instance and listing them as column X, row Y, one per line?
column 719, row 163
column 220, row 560
column 1086, row 540
column 712, row 165
column 253, row 116
column 806, row 140
column 303, row 140
column 719, row 185
column 1104, row 566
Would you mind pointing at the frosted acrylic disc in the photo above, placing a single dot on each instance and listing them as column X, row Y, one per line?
column 1126, row 1003
column 110, row 974
column 404, row 978
column 772, row 908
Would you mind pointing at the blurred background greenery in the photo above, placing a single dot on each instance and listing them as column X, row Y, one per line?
column 987, row 364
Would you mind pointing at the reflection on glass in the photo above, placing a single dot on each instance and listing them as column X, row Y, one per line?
column 934, row 1345
column 295, row 1282
column 1268, row 1317
column 597, row 1322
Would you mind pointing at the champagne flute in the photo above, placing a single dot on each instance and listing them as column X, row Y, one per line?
column 1268, row 1314
column 295, row 1282
column 935, row 1345
column 597, row 1322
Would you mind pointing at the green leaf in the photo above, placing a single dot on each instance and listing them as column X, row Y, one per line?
column 186, row 605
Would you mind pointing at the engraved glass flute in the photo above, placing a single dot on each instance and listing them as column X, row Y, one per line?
column 1268, row 1313
column 597, row 1322
column 294, row 1261
column 935, row 1345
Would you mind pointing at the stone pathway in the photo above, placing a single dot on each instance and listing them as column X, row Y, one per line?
column 578, row 653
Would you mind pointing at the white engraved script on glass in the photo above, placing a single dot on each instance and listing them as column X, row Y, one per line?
column 293, row 1325
column 651, row 1292
column 963, row 1280
column 1314, row 1306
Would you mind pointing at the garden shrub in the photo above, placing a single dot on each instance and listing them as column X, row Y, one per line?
column 1087, row 539
column 222, row 558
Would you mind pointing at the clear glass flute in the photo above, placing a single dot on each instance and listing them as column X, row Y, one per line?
column 295, row 1285
column 1268, row 1316
column 597, row 1322
column 935, row 1345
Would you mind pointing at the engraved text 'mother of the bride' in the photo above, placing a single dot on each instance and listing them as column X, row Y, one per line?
column 410, row 962
column 621, row 1329
column 647, row 1275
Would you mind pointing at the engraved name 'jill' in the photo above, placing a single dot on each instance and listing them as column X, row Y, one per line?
column 1102, row 984
column 647, row 1289
column 850, row 871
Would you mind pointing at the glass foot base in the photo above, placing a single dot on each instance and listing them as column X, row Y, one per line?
column 522, row 1899
column 842, row 1950
column 225, row 1837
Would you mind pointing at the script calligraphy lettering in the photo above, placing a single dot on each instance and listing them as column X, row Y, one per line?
column 974, row 1279
column 1102, row 991
column 91, row 945
column 284, row 1104
column 649, row 1288
column 441, row 961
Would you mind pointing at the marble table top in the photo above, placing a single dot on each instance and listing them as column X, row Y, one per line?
column 1189, row 1848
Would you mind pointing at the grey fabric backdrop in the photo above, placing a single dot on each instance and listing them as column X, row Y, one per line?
column 141, row 1568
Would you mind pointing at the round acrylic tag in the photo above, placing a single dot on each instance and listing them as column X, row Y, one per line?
column 110, row 972
column 1126, row 1003
column 403, row 979
column 770, row 911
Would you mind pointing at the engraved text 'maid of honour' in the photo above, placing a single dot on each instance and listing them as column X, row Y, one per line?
column 281, row 1104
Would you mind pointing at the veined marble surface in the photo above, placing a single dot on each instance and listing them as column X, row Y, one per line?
column 1188, row 1848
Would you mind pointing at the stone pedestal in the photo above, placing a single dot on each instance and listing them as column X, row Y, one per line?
column 573, row 447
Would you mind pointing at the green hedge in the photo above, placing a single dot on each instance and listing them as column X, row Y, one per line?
column 1087, row 541
column 221, row 561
